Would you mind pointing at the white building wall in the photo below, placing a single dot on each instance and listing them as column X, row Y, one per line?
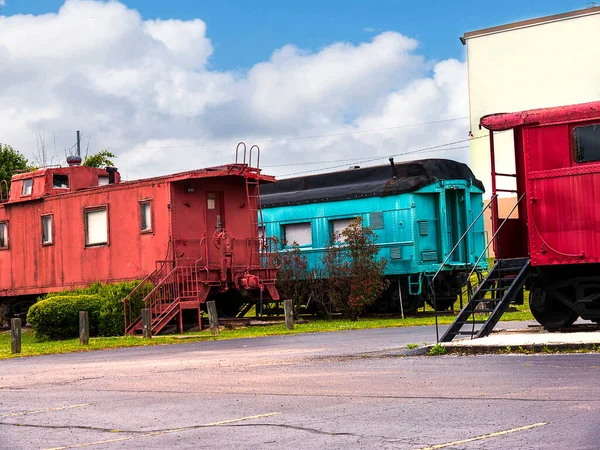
column 553, row 62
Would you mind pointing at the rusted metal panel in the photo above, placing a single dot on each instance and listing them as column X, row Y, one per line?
column 542, row 116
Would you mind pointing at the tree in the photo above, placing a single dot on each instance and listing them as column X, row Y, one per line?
column 11, row 162
column 100, row 159
column 355, row 273
column 292, row 275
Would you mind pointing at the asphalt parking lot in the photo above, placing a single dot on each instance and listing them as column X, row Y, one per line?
column 327, row 390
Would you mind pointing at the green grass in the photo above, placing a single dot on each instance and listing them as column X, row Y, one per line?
column 32, row 346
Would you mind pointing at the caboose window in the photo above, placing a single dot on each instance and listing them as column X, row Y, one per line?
column 60, row 181
column 47, row 229
column 27, row 186
column 3, row 235
column 96, row 227
column 145, row 216
column 300, row 233
column 586, row 143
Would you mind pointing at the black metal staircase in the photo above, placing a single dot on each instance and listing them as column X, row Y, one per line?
column 491, row 298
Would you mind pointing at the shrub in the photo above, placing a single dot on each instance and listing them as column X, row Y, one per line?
column 354, row 269
column 109, row 310
column 57, row 317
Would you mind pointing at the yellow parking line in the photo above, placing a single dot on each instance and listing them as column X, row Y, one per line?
column 24, row 413
column 485, row 436
column 157, row 433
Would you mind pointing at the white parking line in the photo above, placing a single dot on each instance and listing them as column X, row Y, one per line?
column 485, row 436
column 60, row 408
column 158, row 433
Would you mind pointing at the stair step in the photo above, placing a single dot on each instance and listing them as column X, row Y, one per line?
column 467, row 333
column 471, row 322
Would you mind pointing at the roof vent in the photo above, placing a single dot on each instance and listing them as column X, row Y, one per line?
column 74, row 160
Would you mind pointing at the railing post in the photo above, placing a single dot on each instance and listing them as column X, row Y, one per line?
column 288, row 309
column 213, row 318
column 84, row 328
column 15, row 335
column 146, row 324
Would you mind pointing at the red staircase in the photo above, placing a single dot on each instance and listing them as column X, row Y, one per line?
column 167, row 292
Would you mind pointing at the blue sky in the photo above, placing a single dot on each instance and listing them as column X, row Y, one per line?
column 244, row 32
column 169, row 85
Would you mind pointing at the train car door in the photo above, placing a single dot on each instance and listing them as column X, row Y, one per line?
column 215, row 220
column 428, row 227
column 455, row 223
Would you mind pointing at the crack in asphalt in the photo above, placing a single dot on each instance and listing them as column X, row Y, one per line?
column 199, row 426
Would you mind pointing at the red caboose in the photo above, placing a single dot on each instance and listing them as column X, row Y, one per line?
column 189, row 236
column 557, row 220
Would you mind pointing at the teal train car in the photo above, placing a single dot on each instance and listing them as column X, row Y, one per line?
column 419, row 210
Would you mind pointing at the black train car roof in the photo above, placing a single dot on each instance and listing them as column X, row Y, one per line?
column 377, row 181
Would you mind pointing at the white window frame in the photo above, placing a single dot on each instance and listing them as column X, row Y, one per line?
column 332, row 227
column 5, row 237
column 91, row 210
column 27, row 188
column 303, row 242
column 50, row 237
column 149, row 216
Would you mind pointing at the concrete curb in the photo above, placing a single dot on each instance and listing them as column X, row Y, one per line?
column 527, row 348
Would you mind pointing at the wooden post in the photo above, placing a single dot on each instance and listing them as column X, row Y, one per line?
column 213, row 318
column 146, row 324
column 15, row 335
column 288, row 309
column 84, row 328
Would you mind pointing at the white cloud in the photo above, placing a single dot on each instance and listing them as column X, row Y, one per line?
column 145, row 89
column 2, row 3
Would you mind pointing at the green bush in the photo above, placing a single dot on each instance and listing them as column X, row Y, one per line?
column 108, row 310
column 57, row 317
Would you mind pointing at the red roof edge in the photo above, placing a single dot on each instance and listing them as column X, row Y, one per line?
column 541, row 116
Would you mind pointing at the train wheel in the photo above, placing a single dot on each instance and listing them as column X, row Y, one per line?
column 550, row 312
column 442, row 303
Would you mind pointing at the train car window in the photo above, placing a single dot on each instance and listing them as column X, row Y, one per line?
column 47, row 229
column 96, row 227
column 300, row 233
column 60, row 181
column 586, row 143
column 145, row 216
column 3, row 235
column 102, row 180
column 337, row 227
column 27, row 187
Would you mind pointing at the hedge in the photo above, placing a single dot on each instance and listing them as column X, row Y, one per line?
column 57, row 317
column 102, row 301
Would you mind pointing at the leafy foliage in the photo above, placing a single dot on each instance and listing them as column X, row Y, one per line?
column 11, row 161
column 58, row 317
column 108, row 310
column 100, row 159
column 292, row 275
column 355, row 275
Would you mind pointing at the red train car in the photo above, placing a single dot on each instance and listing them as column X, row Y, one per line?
column 189, row 236
column 556, row 223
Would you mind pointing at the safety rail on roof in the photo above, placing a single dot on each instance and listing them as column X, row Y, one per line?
column 240, row 158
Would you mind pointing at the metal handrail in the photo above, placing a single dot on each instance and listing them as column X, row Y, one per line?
column 462, row 237
column 495, row 234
